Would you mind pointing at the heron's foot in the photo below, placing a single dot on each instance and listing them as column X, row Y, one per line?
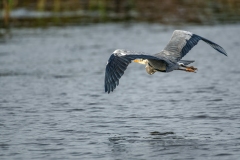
column 193, row 68
column 190, row 69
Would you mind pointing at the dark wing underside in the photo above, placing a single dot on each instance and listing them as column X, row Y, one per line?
column 182, row 42
column 118, row 63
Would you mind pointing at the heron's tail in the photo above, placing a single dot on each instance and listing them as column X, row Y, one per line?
column 185, row 62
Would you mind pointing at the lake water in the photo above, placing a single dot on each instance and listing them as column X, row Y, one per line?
column 53, row 105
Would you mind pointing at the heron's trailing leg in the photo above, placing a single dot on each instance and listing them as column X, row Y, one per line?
column 188, row 68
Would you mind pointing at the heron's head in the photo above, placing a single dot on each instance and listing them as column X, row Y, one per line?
column 149, row 69
column 141, row 61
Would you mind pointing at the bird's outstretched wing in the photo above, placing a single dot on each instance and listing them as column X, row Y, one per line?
column 118, row 63
column 182, row 42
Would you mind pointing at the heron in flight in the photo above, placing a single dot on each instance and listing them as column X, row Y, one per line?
column 167, row 60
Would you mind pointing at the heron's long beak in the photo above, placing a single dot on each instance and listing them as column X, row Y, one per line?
column 136, row 61
column 141, row 61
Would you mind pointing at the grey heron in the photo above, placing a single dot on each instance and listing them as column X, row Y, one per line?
column 167, row 60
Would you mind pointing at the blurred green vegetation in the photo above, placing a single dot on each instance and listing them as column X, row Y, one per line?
column 29, row 13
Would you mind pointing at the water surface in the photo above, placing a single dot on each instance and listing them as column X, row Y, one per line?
column 53, row 104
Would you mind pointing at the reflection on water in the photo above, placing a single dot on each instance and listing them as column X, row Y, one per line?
column 53, row 104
